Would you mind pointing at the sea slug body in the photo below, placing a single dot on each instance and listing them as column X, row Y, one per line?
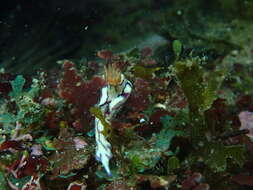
column 113, row 96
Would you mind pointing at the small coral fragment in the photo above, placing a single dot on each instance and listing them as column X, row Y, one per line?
column 76, row 186
column 246, row 119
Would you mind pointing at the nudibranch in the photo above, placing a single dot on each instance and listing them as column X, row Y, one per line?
column 113, row 95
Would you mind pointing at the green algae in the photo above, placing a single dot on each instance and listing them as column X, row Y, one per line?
column 190, row 75
column 28, row 111
column 99, row 114
column 144, row 72
column 219, row 154
column 3, row 182
column 145, row 155
column 168, row 132
column 17, row 86
column 173, row 163
column 199, row 91
column 177, row 48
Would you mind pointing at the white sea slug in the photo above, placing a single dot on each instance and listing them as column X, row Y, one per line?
column 113, row 96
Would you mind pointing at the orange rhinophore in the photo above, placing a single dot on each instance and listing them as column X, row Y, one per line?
column 112, row 75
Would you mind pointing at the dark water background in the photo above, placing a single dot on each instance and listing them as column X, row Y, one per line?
column 35, row 34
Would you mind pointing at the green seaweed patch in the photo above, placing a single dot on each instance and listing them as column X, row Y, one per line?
column 145, row 155
column 67, row 176
column 8, row 120
column 218, row 155
column 99, row 114
column 142, row 158
column 3, row 182
column 199, row 91
column 168, row 132
column 173, row 163
column 177, row 48
column 19, row 182
column 17, row 86
column 144, row 72
column 190, row 75
column 8, row 158
column 213, row 84
column 27, row 110
column 46, row 143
